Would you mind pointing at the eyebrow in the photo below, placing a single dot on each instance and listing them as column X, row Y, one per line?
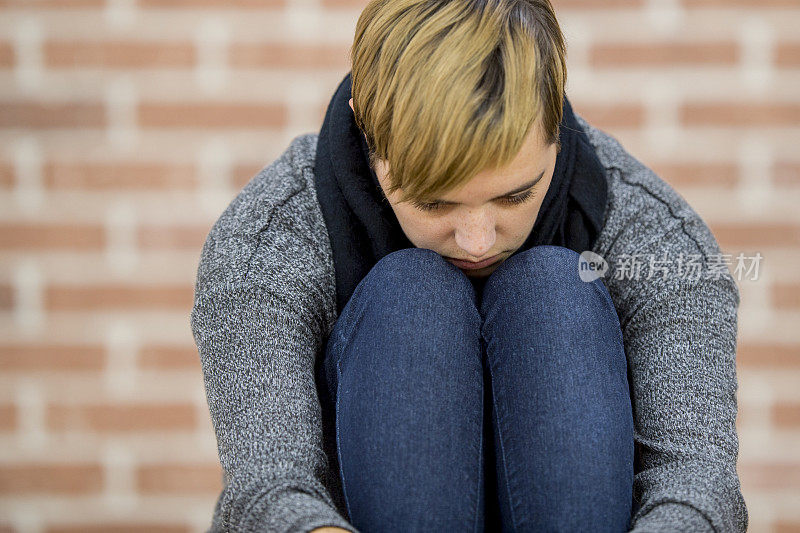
column 519, row 189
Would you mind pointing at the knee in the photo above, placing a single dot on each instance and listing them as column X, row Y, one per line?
column 543, row 287
column 411, row 295
column 418, row 273
column 546, row 273
column 545, row 261
column 419, row 270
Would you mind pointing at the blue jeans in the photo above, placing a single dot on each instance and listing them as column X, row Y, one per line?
column 505, row 408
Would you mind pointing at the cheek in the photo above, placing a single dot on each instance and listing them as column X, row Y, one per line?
column 421, row 230
column 430, row 230
column 519, row 225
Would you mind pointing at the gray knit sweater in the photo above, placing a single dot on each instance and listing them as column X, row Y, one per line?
column 265, row 304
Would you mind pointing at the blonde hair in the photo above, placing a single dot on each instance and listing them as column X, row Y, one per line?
column 443, row 89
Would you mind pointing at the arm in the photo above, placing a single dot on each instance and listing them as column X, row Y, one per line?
column 680, row 341
column 681, row 345
column 262, row 301
column 257, row 359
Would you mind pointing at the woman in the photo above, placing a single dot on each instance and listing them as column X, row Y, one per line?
column 461, row 305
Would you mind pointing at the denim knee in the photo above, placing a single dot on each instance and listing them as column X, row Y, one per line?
column 543, row 284
column 417, row 272
column 550, row 260
column 416, row 275
column 547, row 268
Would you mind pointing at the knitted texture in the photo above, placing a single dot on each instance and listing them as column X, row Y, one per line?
column 264, row 305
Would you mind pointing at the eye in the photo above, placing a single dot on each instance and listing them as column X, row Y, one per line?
column 513, row 200
column 520, row 198
column 430, row 206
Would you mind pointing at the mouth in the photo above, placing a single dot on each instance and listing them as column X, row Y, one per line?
column 469, row 265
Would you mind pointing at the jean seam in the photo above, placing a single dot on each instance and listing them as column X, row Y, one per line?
column 338, row 445
column 607, row 296
column 502, row 448
column 480, row 465
column 604, row 292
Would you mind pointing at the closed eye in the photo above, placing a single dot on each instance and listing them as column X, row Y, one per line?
column 509, row 200
column 520, row 198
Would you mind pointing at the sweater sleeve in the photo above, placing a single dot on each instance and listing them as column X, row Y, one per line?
column 260, row 313
column 681, row 345
column 257, row 358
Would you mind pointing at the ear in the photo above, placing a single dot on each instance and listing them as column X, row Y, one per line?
column 351, row 105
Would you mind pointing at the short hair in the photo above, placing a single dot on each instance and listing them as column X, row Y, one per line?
column 443, row 89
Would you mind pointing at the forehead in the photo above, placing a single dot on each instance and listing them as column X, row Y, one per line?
column 489, row 184
column 527, row 167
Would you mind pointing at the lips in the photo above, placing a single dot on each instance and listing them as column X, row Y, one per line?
column 468, row 265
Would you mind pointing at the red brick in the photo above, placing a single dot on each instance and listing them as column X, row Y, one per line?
column 53, row 4
column 768, row 355
column 177, row 478
column 35, row 357
column 593, row 4
column 607, row 117
column 118, row 297
column 242, row 174
column 51, row 237
column 786, row 296
column 786, row 415
column 729, row 4
column 121, row 418
column 173, row 237
column 43, row 115
column 118, row 54
column 216, row 115
column 740, row 114
column 222, row 5
column 50, row 478
column 722, row 175
column 786, row 173
column 119, row 175
column 289, row 56
column 755, row 235
column 169, row 357
column 344, row 4
column 770, row 475
column 787, row 54
column 6, row 176
column 7, row 57
column 558, row 5
column 6, row 297
column 661, row 55
column 785, row 526
column 8, row 418
column 118, row 527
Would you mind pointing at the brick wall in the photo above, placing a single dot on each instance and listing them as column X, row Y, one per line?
column 126, row 127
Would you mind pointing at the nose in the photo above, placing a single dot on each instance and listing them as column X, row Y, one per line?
column 476, row 235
